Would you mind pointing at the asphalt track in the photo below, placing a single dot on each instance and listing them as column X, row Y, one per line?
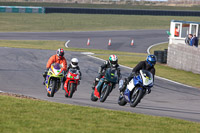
column 21, row 72
column 120, row 40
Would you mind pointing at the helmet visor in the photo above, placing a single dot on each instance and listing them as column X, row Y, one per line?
column 153, row 62
column 113, row 62
column 61, row 54
column 75, row 63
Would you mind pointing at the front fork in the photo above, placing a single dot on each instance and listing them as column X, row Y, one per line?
column 48, row 81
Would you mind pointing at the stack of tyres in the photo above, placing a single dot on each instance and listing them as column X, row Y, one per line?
column 160, row 56
column 156, row 54
column 165, row 56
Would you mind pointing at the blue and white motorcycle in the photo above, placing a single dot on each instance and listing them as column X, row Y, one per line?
column 136, row 89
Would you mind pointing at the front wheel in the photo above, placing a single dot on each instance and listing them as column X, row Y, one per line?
column 104, row 93
column 52, row 86
column 71, row 89
column 136, row 97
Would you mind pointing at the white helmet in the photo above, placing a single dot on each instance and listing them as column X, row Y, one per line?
column 74, row 62
column 113, row 60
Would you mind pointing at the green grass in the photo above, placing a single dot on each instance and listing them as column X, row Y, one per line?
column 125, row 58
column 53, row 45
column 22, row 115
column 17, row 22
column 118, row 6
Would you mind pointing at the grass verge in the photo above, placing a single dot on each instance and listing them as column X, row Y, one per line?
column 26, row 115
column 125, row 58
column 18, row 22
column 159, row 47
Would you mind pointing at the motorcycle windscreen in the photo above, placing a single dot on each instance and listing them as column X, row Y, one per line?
column 74, row 71
column 56, row 69
column 147, row 77
column 111, row 75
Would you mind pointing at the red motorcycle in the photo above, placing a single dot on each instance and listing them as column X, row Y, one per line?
column 71, row 83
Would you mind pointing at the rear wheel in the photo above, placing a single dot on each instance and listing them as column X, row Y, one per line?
column 135, row 98
column 93, row 98
column 104, row 93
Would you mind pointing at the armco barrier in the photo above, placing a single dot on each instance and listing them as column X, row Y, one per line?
column 21, row 9
column 121, row 11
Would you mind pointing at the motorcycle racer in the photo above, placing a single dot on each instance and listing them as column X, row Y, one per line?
column 74, row 65
column 112, row 62
column 148, row 64
column 57, row 58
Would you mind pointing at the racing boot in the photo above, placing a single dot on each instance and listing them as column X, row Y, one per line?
column 44, row 75
column 95, row 83
column 148, row 90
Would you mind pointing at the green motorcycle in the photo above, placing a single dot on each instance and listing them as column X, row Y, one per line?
column 106, row 84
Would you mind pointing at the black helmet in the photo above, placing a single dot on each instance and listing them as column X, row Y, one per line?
column 60, row 52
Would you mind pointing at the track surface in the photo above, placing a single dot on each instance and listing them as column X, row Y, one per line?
column 21, row 72
column 120, row 40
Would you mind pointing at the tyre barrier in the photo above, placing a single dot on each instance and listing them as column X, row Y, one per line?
column 120, row 11
column 21, row 9
column 161, row 56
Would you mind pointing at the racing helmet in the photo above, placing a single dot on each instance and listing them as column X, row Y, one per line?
column 74, row 62
column 60, row 52
column 151, row 60
column 113, row 60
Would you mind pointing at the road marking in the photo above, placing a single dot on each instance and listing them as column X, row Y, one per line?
column 148, row 50
column 155, row 75
column 66, row 44
column 87, row 53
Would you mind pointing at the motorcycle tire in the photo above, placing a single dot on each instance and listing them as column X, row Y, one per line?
column 135, row 99
column 93, row 98
column 53, row 88
column 71, row 90
column 104, row 93
column 121, row 101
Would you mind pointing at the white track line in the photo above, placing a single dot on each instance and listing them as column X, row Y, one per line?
column 148, row 50
column 66, row 44
column 155, row 76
